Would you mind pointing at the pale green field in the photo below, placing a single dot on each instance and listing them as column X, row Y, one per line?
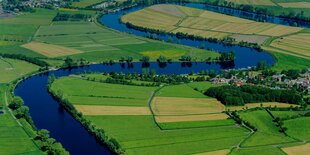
column 86, row 3
column 12, row 69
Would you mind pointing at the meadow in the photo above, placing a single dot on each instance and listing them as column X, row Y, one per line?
column 12, row 69
column 14, row 139
column 131, row 122
column 265, row 128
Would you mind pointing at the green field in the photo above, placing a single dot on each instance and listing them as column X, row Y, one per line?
column 179, row 91
column 12, row 69
column 139, row 134
column 265, row 128
column 86, row 3
column 299, row 128
column 14, row 139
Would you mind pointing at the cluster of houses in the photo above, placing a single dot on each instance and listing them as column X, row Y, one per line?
column 302, row 81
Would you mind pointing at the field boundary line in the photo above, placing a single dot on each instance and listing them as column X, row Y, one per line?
column 10, row 111
column 150, row 106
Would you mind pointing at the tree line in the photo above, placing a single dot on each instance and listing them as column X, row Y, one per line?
column 25, row 58
column 99, row 133
column 235, row 96
column 47, row 144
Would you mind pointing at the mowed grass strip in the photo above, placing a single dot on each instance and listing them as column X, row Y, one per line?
column 112, row 110
column 50, row 50
column 188, row 118
column 185, row 106
column 297, row 150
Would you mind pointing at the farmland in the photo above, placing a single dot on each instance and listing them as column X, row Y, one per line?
column 12, row 69
column 202, row 23
column 134, row 127
column 12, row 134
column 278, row 39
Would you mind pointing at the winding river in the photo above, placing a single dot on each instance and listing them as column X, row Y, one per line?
column 48, row 114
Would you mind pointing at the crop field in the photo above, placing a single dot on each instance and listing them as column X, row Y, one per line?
column 13, row 139
column 86, row 3
column 265, row 128
column 97, row 43
column 12, row 69
column 186, row 106
column 130, row 120
column 50, row 50
column 298, row 128
column 182, row 90
column 202, row 23
column 297, row 44
column 295, row 5
column 269, row 150
column 263, row 104
column 297, row 150
column 253, row 2
column 201, row 86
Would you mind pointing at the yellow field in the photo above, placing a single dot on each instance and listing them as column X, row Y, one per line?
column 253, row 2
column 298, row 44
column 172, row 18
column 50, row 50
column 295, row 5
column 265, row 104
column 185, row 106
column 219, row 152
column 112, row 110
column 297, row 150
column 188, row 118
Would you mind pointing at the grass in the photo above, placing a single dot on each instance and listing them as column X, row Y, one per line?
column 201, row 86
column 112, row 110
column 265, row 128
column 295, row 5
column 285, row 62
column 139, row 135
column 12, row 69
column 14, row 139
column 299, row 128
column 130, row 122
column 81, row 91
column 190, row 118
column 185, row 106
column 182, row 90
column 195, row 124
column 253, row 2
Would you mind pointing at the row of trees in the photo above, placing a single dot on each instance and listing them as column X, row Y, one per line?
column 47, row 144
column 25, row 58
column 233, row 95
